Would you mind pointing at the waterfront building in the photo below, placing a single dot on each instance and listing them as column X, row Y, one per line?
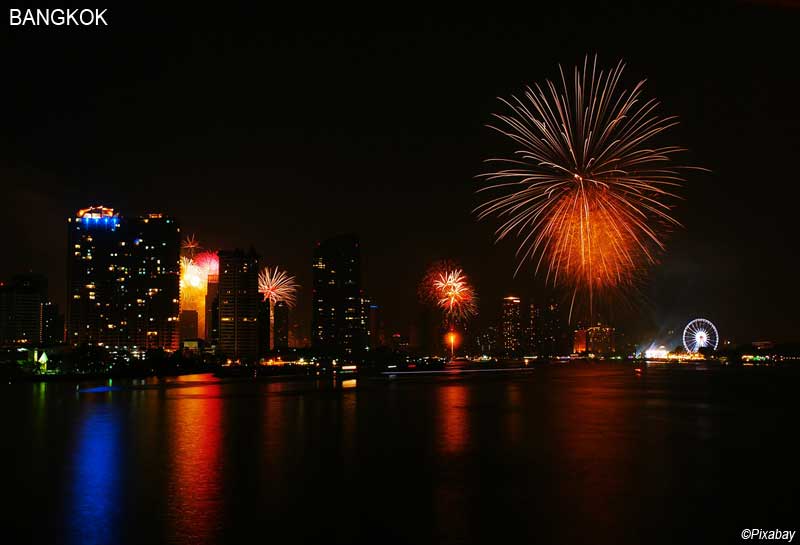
column 597, row 340
column 21, row 300
column 188, row 324
column 238, row 305
column 123, row 279
column 338, row 322
column 52, row 324
column 281, row 326
column 511, row 326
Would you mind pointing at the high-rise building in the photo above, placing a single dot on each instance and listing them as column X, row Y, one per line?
column 211, row 333
column 598, row 340
column 21, row 302
column 264, row 327
column 238, row 305
column 377, row 337
column 281, row 325
column 153, row 292
column 511, row 326
column 123, row 280
column 338, row 323
column 52, row 324
column 529, row 320
column 552, row 337
column 188, row 324
column 486, row 341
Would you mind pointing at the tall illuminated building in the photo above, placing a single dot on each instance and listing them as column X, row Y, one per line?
column 97, row 276
column 338, row 320
column 511, row 326
column 153, row 247
column 598, row 340
column 21, row 310
column 188, row 324
column 281, row 325
column 377, row 337
column 552, row 334
column 52, row 324
column 211, row 333
column 262, row 335
column 123, row 279
column 238, row 305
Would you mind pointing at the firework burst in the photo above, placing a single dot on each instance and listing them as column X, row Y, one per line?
column 194, row 284
column 190, row 245
column 446, row 286
column 275, row 285
column 585, row 192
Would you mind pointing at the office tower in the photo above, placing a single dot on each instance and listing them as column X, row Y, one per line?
column 52, row 324
column 238, row 305
column 338, row 325
column 188, row 324
column 511, row 326
column 486, row 342
column 375, row 326
column 264, row 325
column 552, row 333
column 153, row 247
column 281, row 325
column 21, row 302
column 601, row 340
column 123, row 279
column 211, row 333
column 97, row 275
column 597, row 340
column 529, row 329
column 580, row 344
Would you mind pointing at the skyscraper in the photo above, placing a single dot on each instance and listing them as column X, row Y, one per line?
column 338, row 323
column 552, row 337
column 188, row 325
column 281, row 325
column 263, row 335
column 97, row 275
column 52, row 324
column 238, row 305
column 21, row 302
column 153, row 296
column 377, row 336
column 598, row 340
column 511, row 326
column 124, row 280
column 211, row 333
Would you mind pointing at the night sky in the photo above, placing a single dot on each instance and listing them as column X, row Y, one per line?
column 279, row 129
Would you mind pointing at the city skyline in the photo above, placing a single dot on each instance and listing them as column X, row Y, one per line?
column 282, row 171
column 344, row 275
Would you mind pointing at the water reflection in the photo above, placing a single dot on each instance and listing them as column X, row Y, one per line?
column 96, row 477
column 452, row 419
column 194, row 431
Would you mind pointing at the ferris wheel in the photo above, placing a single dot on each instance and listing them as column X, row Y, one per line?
column 700, row 333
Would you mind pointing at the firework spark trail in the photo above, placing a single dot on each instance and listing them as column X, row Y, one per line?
column 277, row 286
column 585, row 193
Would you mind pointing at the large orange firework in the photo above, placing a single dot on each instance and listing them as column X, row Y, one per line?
column 586, row 192
column 194, row 284
column 446, row 286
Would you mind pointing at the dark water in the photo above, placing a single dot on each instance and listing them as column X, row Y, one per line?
column 563, row 454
